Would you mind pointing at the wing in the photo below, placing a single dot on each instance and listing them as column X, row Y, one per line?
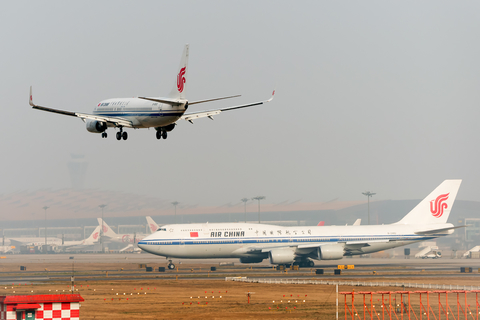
column 210, row 113
column 115, row 121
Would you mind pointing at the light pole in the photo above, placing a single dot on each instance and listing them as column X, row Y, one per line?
column 45, row 208
column 175, row 203
column 258, row 198
column 244, row 200
column 368, row 194
column 102, row 206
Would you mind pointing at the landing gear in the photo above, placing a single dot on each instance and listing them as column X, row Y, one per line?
column 161, row 134
column 170, row 266
column 305, row 263
column 121, row 134
column 104, row 134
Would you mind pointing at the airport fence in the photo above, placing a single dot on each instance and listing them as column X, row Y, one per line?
column 354, row 283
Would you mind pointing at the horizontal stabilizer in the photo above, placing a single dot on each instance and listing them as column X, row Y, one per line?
column 440, row 230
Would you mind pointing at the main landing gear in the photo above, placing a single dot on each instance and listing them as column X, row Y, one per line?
column 161, row 134
column 104, row 134
column 305, row 263
column 122, row 135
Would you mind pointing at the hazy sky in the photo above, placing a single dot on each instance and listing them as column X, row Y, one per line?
column 371, row 95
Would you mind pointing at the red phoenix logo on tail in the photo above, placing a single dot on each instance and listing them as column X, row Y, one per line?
column 438, row 205
column 181, row 79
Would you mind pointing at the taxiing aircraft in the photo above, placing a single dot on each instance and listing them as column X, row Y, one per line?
column 253, row 243
column 147, row 112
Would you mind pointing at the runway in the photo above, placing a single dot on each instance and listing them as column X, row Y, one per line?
column 42, row 268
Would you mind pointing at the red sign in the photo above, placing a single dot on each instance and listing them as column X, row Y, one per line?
column 194, row 234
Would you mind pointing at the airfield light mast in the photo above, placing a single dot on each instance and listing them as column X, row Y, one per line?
column 175, row 203
column 102, row 206
column 368, row 194
column 258, row 198
column 244, row 200
column 45, row 208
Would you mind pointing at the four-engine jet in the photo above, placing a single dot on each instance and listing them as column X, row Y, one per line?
column 253, row 243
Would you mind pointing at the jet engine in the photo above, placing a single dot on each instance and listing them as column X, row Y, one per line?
column 282, row 256
column 330, row 252
column 96, row 126
column 251, row 259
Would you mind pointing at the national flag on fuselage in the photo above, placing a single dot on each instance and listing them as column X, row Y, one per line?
column 194, row 234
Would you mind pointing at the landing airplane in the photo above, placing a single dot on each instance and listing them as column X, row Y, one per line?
column 253, row 243
column 147, row 112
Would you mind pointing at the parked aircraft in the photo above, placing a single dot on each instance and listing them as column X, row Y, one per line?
column 110, row 235
column 147, row 112
column 253, row 243
column 152, row 225
column 35, row 241
column 82, row 244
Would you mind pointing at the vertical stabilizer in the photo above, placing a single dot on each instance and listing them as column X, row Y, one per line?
column 107, row 231
column 93, row 237
column 435, row 208
column 152, row 225
column 179, row 89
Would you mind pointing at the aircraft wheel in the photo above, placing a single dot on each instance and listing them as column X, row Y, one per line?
column 171, row 266
column 119, row 135
column 105, row 135
column 164, row 134
column 125, row 135
column 311, row 264
column 159, row 135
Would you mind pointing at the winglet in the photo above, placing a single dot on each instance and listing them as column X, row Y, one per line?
column 31, row 98
column 273, row 93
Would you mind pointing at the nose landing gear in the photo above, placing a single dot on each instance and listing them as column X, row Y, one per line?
column 170, row 266
column 161, row 134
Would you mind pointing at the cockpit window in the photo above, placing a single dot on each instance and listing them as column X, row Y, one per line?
column 162, row 229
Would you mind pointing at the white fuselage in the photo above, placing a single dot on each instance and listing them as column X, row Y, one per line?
column 237, row 240
column 143, row 113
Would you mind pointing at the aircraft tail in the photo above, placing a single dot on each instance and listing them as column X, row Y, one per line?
column 152, row 225
column 107, row 231
column 435, row 208
column 179, row 89
column 93, row 237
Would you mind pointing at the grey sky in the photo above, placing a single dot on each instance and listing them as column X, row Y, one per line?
column 371, row 95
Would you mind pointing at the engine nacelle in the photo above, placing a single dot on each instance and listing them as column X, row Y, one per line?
column 96, row 126
column 282, row 256
column 330, row 252
column 251, row 259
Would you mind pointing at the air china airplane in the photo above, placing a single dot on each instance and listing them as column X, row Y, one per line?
column 147, row 112
column 253, row 243
column 110, row 235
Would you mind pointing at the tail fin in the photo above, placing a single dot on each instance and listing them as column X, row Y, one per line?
column 107, row 231
column 436, row 207
column 93, row 237
column 152, row 225
column 179, row 89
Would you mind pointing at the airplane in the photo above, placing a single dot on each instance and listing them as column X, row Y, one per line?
column 34, row 241
column 80, row 244
column 147, row 112
column 112, row 236
column 152, row 225
column 253, row 243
